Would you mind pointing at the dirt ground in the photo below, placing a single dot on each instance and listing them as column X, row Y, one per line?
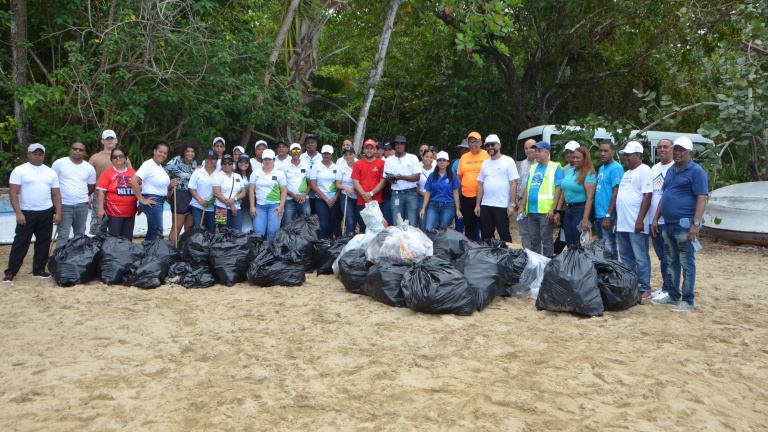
column 103, row 358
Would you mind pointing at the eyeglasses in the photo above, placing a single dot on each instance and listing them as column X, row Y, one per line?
column 473, row 141
column 117, row 156
column 78, row 149
column 226, row 163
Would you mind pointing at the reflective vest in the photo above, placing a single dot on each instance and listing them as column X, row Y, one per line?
column 547, row 188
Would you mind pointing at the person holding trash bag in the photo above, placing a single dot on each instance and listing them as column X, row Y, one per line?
column 402, row 171
column 243, row 167
column 228, row 190
column 267, row 189
column 538, row 202
column 201, row 189
column 496, row 189
column 441, row 196
column 346, row 185
column 368, row 178
column 151, row 184
column 182, row 167
column 116, row 198
column 578, row 195
column 297, row 175
column 322, row 180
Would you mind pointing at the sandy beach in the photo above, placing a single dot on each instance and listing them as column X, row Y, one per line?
column 242, row 358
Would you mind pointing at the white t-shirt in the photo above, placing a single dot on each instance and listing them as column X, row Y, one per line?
column 326, row 178
column 658, row 174
column 230, row 186
column 425, row 173
column 496, row 175
column 256, row 165
column 633, row 186
column 36, row 183
column 202, row 183
column 405, row 166
column 344, row 173
column 74, row 180
column 297, row 177
column 154, row 179
column 267, row 185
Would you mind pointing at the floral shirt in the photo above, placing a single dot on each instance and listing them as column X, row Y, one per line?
column 181, row 170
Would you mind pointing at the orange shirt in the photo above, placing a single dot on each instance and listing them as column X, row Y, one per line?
column 469, row 169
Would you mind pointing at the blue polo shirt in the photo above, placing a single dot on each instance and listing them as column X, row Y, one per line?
column 575, row 192
column 608, row 177
column 681, row 191
column 442, row 189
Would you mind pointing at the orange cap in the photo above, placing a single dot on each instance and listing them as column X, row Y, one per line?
column 475, row 135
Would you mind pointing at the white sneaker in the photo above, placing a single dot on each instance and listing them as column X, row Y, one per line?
column 659, row 295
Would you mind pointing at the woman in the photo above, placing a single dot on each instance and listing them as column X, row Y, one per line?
column 219, row 146
column 150, row 184
column 267, row 189
column 243, row 167
column 236, row 152
column 201, row 189
column 322, row 180
column 578, row 189
column 427, row 167
column 441, row 195
column 116, row 198
column 181, row 167
column 228, row 190
column 348, row 204
column 296, row 173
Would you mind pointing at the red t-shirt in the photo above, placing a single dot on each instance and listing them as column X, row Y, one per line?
column 369, row 174
column 120, row 200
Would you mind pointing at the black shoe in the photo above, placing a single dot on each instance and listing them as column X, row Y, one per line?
column 40, row 275
column 8, row 278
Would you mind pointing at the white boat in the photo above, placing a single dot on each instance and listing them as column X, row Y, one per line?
column 738, row 213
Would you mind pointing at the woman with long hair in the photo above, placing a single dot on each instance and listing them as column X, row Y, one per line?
column 181, row 167
column 578, row 194
column 150, row 184
column 345, row 184
column 441, row 195
column 243, row 167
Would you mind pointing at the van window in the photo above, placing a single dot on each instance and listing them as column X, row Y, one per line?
column 520, row 149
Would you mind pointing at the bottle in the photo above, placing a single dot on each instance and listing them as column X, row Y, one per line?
column 696, row 245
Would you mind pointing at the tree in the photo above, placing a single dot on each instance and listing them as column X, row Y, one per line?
column 19, row 49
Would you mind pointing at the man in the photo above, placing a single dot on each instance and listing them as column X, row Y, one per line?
column 256, row 162
column 311, row 156
column 569, row 149
column 101, row 162
column 608, row 179
column 539, row 199
column 632, row 218
column 658, row 174
column 683, row 200
column 402, row 171
column 380, row 150
column 35, row 198
column 525, row 169
column 423, row 147
column 496, row 191
column 368, row 176
column 469, row 169
column 77, row 181
column 463, row 149
column 282, row 155
column 386, row 194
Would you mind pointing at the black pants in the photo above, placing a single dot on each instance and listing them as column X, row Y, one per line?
column 468, row 211
column 121, row 226
column 494, row 218
column 39, row 223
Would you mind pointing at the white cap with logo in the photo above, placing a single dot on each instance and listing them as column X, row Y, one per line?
column 492, row 138
column 632, row 147
column 109, row 133
column 684, row 142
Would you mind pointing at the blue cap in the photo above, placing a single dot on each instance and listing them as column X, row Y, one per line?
column 543, row 145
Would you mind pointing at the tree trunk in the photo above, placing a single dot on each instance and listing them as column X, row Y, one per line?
column 18, row 37
column 375, row 77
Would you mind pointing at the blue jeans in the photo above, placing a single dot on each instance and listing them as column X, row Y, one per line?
column 292, row 208
column 386, row 210
column 680, row 256
column 405, row 203
column 423, row 221
column 330, row 218
column 72, row 217
column 353, row 214
column 246, row 223
column 209, row 219
column 661, row 253
column 610, row 240
column 266, row 222
column 635, row 254
column 439, row 214
column 154, row 215
column 571, row 222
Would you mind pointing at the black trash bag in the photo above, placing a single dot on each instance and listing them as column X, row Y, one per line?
column 266, row 271
column 324, row 257
column 495, row 243
column 618, row 285
column 596, row 250
column 116, row 257
column 195, row 245
column 319, row 247
column 293, row 242
column 191, row 275
column 449, row 244
column 161, row 249
column 570, row 285
column 230, row 255
column 486, row 270
column 76, row 262
column 353, row 267
column 435, row 286
column 517, row 260
column 149, row 273
column 257, row 244
column 382, row 282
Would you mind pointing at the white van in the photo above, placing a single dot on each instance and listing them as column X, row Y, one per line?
column 651, row 138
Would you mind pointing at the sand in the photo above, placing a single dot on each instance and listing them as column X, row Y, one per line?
column 103, row 358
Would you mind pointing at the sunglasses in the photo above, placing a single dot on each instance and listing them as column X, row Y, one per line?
column 117, row 156
column 78, row 149
column 226, row 163
column 295, row 151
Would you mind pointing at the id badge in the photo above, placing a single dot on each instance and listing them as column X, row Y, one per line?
column 397, row 201
column 221, row 216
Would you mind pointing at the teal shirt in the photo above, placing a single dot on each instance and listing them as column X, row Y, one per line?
column 574, row 192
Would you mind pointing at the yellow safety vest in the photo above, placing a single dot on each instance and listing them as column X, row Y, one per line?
column 547, row 189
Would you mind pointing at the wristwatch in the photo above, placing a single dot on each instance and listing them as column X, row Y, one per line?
column 607, row 215
column 697, row 223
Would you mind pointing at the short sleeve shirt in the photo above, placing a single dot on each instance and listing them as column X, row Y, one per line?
column 181, row 170
column 496, row 175
column 575, row 192
column 538, row 173
column 633, row 187
column 35, row 186
column 202, row 183
column 230, row 186
column 469, row 169
column 608, row 177
column 681, row 191
column 405, row 166
column 369, row 174
column 102, row 161
column 154, row 179
column 344, row 173
column 74, row 180
column 658, row 173
column 119, row 198
column 425, row 173
column 268, row 185
column 325, row 177
column 441, row 190
column 297, row 177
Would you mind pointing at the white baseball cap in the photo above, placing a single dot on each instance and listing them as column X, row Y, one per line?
column 242, row 150
column 109, row 133
column 268, row 154
column 632, row 147
column 327, row 149
column 572, row 145
column 442, row 155
column 261, row 142
column 295, row 146
column 684, row 142
column 492, row 138
column 218, row 139
column 35, row 146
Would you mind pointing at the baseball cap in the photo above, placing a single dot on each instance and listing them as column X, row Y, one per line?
column 109, row 133
column 295, row 146
column 387, row 146
column 463, row 144
column 475, row 135
column 281, row 142
column 211, row 154
column 369, row 142
column 492, row 138
column 632, row 147
column 225, row 157
column 242, row 150
column 543, row 145
column 572, row 145
column 310, row 136
column 261, row 142
column 244, row 157
column 684, row 142
column 219, row 139
column 268, row 154
column 327, row 149
column 348, row 149
column 399, row 138
column 36, row 146
column 442, row 155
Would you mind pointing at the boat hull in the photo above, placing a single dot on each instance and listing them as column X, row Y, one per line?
column 738, row 213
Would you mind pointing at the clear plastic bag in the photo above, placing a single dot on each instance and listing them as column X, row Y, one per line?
column 402, row 243
column 360, row 241
column 530, row 279
column 373, row 218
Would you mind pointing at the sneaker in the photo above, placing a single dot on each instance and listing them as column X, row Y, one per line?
column 665, row 301
column 645, row 295
column 41, row 275
column 8, row 278
column 684, row 306
column 658, row 295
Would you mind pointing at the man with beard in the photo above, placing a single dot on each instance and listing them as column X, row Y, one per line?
column 496, row 191
column 368, row 177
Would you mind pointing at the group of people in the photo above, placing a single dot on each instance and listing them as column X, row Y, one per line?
column 478, row 194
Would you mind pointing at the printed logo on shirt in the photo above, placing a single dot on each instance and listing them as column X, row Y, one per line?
column 658, row 183
column 274, row 178
column 537, row 179
column 303, row 171
column 599, row 178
